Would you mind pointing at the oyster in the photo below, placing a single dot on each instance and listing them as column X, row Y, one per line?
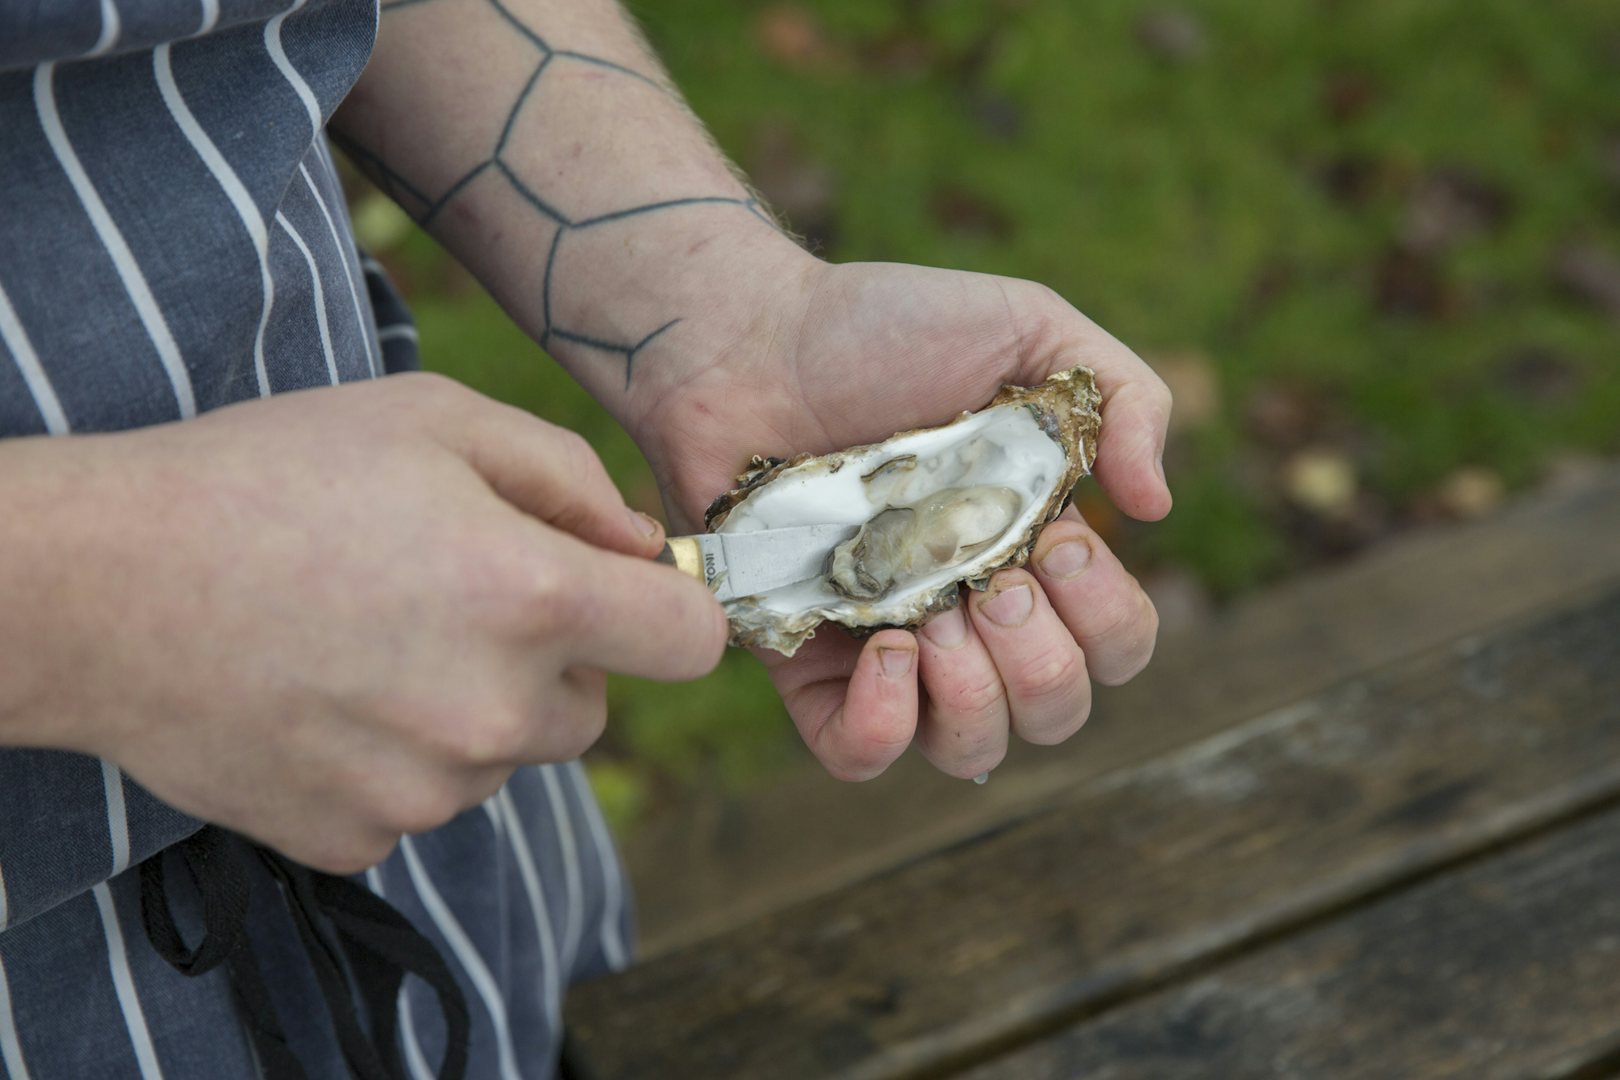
column 936, row 508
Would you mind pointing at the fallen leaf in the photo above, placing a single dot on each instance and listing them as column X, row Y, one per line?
column 791, row 35
column 1470, row 492
column 1172, row 34
column 1322, row 481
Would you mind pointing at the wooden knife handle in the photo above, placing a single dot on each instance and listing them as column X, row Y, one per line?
column 683, row 553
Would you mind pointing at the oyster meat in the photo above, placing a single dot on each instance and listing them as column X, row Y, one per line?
column 936, row 508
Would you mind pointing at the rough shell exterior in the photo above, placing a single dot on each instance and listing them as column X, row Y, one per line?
column 1065, row 407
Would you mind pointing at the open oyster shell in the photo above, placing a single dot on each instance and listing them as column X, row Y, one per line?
column 938, row 507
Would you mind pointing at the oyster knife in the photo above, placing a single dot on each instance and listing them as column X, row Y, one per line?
column 742, row 564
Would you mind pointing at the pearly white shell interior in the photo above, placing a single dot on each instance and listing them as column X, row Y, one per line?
column 1003, row 446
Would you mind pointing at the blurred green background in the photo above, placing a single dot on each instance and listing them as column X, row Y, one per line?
column 1373, row 245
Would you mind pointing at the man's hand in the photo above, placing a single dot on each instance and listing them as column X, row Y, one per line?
column 850, row 354
column 336, row 616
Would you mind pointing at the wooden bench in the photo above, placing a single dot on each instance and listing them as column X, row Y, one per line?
column 1366, row 825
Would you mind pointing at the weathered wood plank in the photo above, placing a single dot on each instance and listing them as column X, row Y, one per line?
column 1137, row 876
column 1508, row 968
column 717, row 860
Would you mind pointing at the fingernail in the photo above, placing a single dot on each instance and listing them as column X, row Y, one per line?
column 1068, row 559
column 645, row 525
column 1010, row 607
column 948, row 629
column 896, row 663
column 981, row 778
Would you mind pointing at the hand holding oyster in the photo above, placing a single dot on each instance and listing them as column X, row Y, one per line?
column 937, row 508
column 840, row 355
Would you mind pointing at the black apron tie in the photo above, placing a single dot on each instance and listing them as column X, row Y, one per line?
column 379, row 945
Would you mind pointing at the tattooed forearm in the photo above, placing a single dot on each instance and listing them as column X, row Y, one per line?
column 616, row 194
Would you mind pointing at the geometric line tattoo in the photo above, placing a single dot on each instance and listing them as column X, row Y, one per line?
column 395, row 185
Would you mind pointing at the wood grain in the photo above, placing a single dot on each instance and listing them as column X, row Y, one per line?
column 716, row 860
column 1510, row 968
column 1131, row 879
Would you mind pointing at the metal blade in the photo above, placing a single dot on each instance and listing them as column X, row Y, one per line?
column 745, row 564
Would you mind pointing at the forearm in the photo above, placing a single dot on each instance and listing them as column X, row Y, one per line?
column 542, row 143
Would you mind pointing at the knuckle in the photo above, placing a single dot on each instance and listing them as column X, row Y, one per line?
column 983, row 697
column 1126, row 640
column 430, row 387
column 430, row 382
column 1147, row 397
column 1052, row 298
column 493, row 575
column 1050, row 307
column 573, row 457
column 1050, row 681
column 1121, row 619
column 1137, row 649
column 549, row 605
column 1158, row 394
column 498, row 735
column 1039, row 314
column 854, row 759
column 418, row 807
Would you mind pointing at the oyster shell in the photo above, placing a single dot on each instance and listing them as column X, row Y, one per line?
column 937, row 508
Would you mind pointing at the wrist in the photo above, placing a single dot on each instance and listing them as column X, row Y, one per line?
column 702, row 296
column 59, row 552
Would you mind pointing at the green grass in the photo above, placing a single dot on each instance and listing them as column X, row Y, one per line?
column 1185, row 204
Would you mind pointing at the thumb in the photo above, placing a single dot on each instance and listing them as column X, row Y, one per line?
column 552, row 474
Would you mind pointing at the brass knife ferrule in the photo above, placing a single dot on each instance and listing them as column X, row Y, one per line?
column 685, row 554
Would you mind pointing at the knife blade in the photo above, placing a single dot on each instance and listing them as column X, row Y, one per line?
column 741, row 564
